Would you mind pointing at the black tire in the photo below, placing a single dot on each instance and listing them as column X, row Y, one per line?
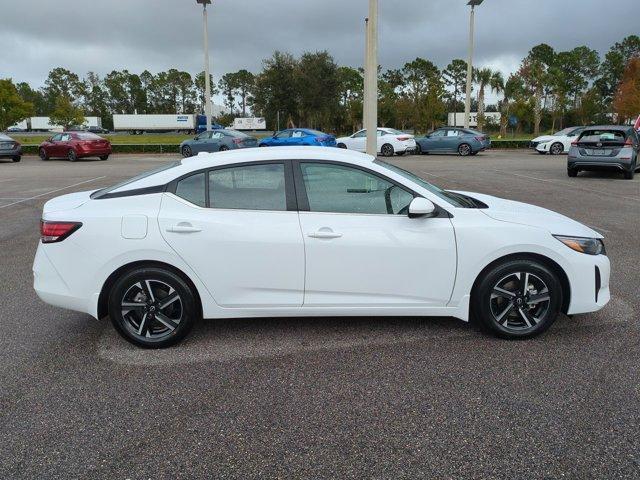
column 572, row 172
column 342, row 146
column 71, row 155
column 418, row 150
column 473, row 154
column 186, row 151
column 387, row 150
column 629, row 175
column 16, row 159
column 104, row 157
column 556, row 149
column 464, row 150
column 400, row 154
column 263, row 145
column 223, row 148
column 152, row 325
column 502, row 307
column 43, row 154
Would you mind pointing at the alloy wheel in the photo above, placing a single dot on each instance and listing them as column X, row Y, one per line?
column 387, row 150
column 557, row 149
column 151, row 309
column 186, row 151
column 464, row 150
column 520, row 301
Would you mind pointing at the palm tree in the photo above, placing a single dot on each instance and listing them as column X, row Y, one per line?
column 485, row 77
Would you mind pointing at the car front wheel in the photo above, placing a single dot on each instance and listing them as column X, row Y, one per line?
column 387, row 150
column 464, row 150
column 17, row 158
column 518, row 299
column 186, row 151
column 556, row 149
column 43, row 154
column 152, row 307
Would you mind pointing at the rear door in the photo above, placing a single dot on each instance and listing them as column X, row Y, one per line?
column 237, row 227
column 358, row 141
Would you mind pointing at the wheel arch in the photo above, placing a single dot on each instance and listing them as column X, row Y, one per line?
column 103, row 298
column 548, row 262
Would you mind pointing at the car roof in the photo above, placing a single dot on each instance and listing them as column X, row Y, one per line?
column 231, row 157
column 622, row 128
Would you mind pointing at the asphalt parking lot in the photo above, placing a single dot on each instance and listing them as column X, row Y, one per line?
column 324, row 398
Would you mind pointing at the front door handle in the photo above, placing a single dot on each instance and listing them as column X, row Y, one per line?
column 184, row 228
column 325, row 233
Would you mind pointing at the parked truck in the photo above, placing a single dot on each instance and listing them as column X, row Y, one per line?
column 43, row 124
column 137, row 124
column 252, row 124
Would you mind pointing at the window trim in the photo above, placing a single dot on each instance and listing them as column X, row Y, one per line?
column 290, row 194
column 303, row 199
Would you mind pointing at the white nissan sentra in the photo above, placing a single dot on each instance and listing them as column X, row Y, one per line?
column 295, row 232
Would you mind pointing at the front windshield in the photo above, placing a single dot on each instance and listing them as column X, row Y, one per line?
column 107, row 190
column 454, row 199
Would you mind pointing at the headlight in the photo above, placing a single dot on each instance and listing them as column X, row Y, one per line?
column 590, row 246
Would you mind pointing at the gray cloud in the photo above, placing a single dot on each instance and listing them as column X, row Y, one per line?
column 158, row 34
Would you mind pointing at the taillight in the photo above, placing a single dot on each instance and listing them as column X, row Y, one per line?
column 574, row 144
column 237, row 141
column 629, row 142
column 480, row 139
column 52, row 232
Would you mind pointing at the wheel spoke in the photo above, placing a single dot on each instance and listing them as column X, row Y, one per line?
column 143, row 323
column 525, row 284
column 504, row 314
column 166, row 321
column 539, row 298
column 501, row 292
column 165, row 302
column 528, row 319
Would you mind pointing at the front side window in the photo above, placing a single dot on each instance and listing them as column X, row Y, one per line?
column 192, row 189
column 285, row 134
column 56, row 138
column 339, row 189
column 252, row 187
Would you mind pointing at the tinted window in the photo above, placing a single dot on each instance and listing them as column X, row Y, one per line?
column 360, row 134
column 192, row 189
column 88, row 136
column 438, row 133
column 603, row 136
column 56, row 138
column 254, row 187
column 339, row 189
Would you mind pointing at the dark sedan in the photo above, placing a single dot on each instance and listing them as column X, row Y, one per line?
column 217, row 141
column 462, row 141
column 9, row 148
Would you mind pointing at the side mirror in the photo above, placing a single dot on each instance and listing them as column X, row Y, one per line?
column 421, row 207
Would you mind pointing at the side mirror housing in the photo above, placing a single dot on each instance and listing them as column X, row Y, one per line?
column 421, row 207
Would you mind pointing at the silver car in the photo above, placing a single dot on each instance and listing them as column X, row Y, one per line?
column 9, row 148
column 610, row 147
column 217, row 141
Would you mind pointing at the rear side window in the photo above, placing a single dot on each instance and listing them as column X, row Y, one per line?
column 252, row 187
column 108, row 190
column 192, row 189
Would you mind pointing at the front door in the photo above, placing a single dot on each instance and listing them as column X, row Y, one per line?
column 238, row 230
column 362, row 249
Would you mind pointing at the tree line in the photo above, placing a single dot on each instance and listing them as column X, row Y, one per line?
column 550, row 89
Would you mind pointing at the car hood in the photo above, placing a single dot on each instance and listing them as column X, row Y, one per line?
column 67, row 202
column 531, row 215
column 543, row 138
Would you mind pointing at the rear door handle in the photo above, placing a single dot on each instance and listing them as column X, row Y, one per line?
column 325, row 233
column 184, row 228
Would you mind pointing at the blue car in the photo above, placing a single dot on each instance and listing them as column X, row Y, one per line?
column 453, row 140
column 299, row 137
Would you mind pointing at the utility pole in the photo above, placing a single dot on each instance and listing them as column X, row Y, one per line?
column 207, row 81
column 371, row 80
column 467, row 101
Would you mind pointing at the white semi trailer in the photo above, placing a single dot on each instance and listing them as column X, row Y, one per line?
column 138, row 124
column 257, row 123
column 43, row 124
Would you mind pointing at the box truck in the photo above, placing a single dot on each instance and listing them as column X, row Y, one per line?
column 43, row 124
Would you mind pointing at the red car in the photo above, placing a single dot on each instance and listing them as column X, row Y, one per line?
column 75, row 145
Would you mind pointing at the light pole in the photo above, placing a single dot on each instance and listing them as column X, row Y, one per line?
column 467, row 101
column 370, row 113
column 207, row 81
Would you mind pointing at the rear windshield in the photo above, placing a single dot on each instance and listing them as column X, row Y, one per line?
column 104, row 191
column 603, row 136
column 88, row 136
column 234, row 133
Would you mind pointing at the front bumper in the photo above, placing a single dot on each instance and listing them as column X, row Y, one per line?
column 589, row 280
column 542, row 147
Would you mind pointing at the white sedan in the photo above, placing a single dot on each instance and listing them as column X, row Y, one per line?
column 559, row 142
column 310, row 231
column 390, row 142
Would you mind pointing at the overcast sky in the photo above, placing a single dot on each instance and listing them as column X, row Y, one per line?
column 102, row 35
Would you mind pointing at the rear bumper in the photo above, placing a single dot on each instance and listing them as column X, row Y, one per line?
column 599, row 163
column 16, row 152
column 94, row 152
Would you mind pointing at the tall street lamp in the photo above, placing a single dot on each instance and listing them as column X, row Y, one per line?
column 467, row 102
column 370, row 112
column 207, row 81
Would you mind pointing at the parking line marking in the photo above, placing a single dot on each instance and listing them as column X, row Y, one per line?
column 587, row 189
column 52, row 191
column 8, row 180
column 445, row 178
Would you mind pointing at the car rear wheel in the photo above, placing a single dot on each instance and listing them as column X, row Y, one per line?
column 152, row 307
column 43, row 154
column 186, row 151
column 104, row 157
column 17, row 159
column 572, row 172
column 342, row 145
column 223, row 148
column 72, row 156
column 387, row 150
column 518, row 299
column 464, row 150
column 556, row 149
